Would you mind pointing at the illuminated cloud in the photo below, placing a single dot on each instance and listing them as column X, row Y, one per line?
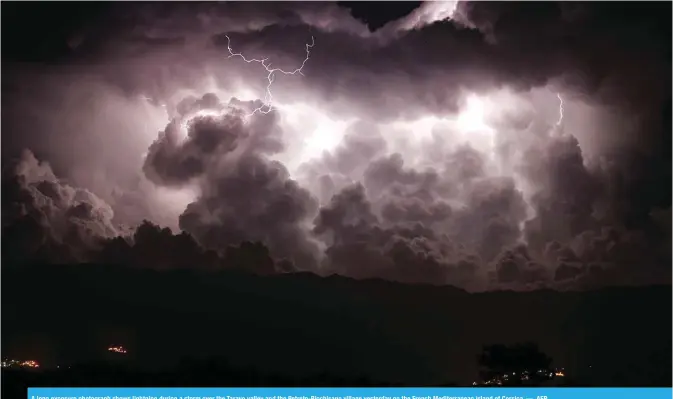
column 428, row 13
column 463, row 143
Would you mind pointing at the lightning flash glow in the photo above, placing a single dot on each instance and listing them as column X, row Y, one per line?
column 267, row 105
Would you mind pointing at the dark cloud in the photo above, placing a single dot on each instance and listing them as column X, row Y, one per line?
column 45, row 218
column 566, row 192
column 362, row 246
column 464, row 164
column 593, row 47
column 516, row 267
column 244, row 194
column 600, row 50
column 158, row 248
column 255, row 200
column 595, row 55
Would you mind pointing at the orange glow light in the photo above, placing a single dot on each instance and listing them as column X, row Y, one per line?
column 117, row 349
column 30, row 363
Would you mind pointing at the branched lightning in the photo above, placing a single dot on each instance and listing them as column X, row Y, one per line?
column 267, row 104
column 560, row 109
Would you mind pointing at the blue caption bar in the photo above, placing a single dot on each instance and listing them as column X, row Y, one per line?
column 349, row 393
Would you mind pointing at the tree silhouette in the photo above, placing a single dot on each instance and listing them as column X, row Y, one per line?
column 515, row 364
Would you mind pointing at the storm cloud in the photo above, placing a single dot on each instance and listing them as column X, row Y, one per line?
column 483, row 145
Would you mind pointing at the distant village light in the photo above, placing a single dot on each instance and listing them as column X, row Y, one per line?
column 20, row 363
column 117, row 349
column 522, row 375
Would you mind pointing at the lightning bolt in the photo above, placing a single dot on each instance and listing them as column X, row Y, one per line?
column 267, row 104
column 560, row 109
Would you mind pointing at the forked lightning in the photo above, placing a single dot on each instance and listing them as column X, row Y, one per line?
column 267, row 104
column 560, row 109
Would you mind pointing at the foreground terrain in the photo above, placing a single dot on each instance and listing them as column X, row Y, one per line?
column 302, row 325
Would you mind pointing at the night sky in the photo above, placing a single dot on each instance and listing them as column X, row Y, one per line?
column 300, row 188
column 481, row 145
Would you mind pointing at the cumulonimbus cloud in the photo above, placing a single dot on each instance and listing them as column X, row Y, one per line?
column 419, row 183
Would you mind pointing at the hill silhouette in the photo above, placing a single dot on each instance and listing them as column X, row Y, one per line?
column 301, row 325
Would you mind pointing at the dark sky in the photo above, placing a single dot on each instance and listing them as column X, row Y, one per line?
column 43, row 36
column 484, row 145
column 376, row 14
column 65, row 18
